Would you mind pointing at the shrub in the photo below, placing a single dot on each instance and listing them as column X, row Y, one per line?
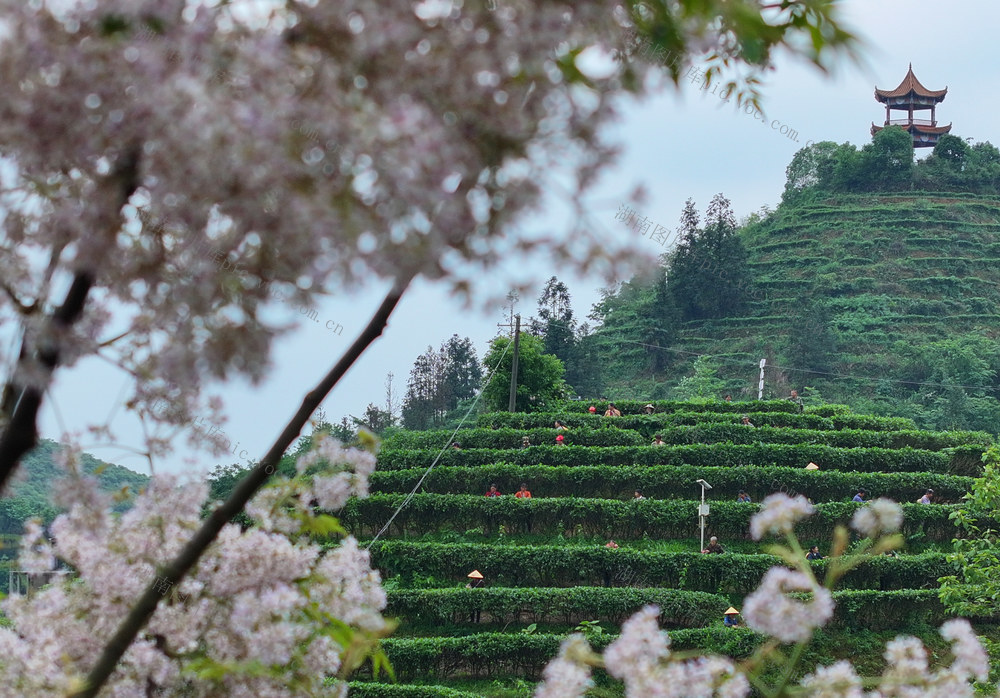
column 672, row 518
column 666, row 481
column 555, row 566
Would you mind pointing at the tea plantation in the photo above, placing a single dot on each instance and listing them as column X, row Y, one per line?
column 547, row 564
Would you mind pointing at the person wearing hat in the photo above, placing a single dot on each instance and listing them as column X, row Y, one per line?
column 731, row 618
column 746, row 421
column 926, row 499
column 649, row 409
column 525, row 442
column 476, row 581
column 612, row 411
column 560, row 440
column 812, row 466
column 860, row 496
column 592, row 410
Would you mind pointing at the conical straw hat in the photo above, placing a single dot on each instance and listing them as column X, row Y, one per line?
column 812, row 466
column 731, row 611
column 475, row 574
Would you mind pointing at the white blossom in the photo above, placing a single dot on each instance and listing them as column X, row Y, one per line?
column 839, row 680
column 778, row 514
column 877, row 517
column 772, row 611
column 567, row 676
column 971, row 659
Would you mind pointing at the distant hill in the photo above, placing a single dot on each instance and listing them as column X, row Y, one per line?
column 876, row 282
column 31, row 492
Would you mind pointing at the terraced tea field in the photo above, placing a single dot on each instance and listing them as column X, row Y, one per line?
column 547, row 564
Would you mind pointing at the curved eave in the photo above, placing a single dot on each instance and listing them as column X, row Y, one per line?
column 914, row 128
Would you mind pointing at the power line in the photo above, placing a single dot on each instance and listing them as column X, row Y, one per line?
column 437, row 458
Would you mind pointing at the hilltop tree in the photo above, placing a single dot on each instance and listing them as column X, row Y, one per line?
column 555, row 323
column 539, row 375
column 461, row 370
column 438, row 381
column 887, row 162
column 708, row 275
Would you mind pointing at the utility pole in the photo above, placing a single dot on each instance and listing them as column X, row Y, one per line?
column 513, row 366
column 760, row 385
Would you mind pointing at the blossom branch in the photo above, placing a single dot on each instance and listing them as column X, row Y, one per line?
column 173, row 572
column 21, row 402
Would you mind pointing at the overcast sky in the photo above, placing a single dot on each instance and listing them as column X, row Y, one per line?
column 678, row 145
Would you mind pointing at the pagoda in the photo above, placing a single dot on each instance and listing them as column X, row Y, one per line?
column 911, row 96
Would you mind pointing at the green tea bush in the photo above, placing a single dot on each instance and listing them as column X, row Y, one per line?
column 612, row 518
column 670, row 481
column 558, row 566
column 566, row 605
column 511, row 438
column 960, row 461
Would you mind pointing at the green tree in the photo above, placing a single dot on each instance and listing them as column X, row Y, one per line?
column 813, row 341
column 705, row 384
column 539, row 375
column 375, row 419
column 974, row 590
column 708, row 275
column 887, row 162
column 812, row 170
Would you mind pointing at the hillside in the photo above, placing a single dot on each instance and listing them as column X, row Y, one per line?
column 546, row 563
column 31, row 491
column 866, row 297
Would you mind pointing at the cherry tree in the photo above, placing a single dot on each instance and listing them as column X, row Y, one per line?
column 170, row 166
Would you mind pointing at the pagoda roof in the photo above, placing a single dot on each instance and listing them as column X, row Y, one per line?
column 910, row 85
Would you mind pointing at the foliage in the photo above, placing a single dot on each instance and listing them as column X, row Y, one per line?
column 704, row 384
column 658, row 519
column 666, row 481
column 707, row 274
column 551, row 566
column 789, row 606
column 438, row 382
column 974, row 589
column 959, row 461
column 32, row 496
column 539, row 375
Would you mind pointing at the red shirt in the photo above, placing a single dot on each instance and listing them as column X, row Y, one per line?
column 493, row 494
column 523, row 495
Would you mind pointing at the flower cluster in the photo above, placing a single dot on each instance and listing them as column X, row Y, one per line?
column 252, row 601
column 642, row 660
column 779, row 513
column 772, row 611
column 877, row 517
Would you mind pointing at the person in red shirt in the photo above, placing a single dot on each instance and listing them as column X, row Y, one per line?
column 494, row 492
column 523, row 493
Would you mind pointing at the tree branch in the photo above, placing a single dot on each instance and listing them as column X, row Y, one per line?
column 174, row 571
column 20, row 403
